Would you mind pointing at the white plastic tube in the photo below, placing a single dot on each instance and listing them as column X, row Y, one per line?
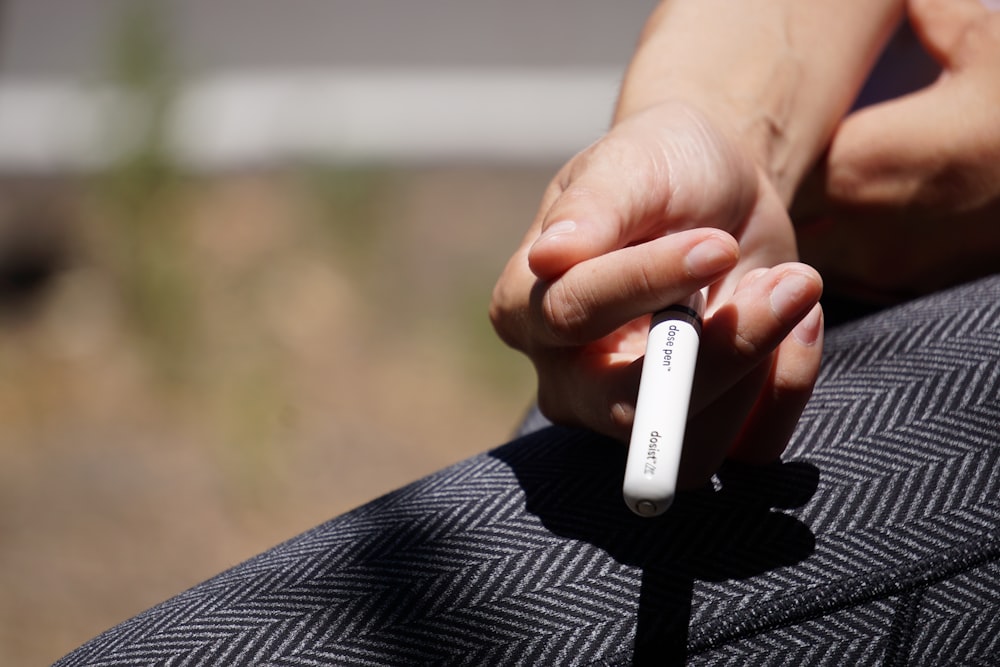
column 661, row 409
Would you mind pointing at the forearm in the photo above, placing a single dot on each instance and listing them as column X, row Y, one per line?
column 779, row 74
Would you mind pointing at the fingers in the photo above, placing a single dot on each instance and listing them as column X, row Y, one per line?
column 741, row 334
column 917, row 177
column 771, row 397
column 941, row 24
column 595, row 389
column 711, row 433
column 584, row 330
column 790, row 383
column 758, row 393
column 596, row 385
column 937, row 147
column 875, row 159
column 597, row 296
column 638, row 221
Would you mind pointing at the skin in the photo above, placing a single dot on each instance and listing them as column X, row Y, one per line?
column 690, row 187
column 918, row 177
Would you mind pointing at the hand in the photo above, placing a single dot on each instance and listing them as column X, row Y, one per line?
column 666, row 203
column 907, row 199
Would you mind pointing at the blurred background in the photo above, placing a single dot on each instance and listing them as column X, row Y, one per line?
column 246, row 250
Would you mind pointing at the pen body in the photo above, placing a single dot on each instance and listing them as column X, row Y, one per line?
column 661, row 410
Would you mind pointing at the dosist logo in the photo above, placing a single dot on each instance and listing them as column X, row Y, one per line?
column 652, row 450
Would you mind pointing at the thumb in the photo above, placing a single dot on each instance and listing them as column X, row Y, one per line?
column 664, row 170
column 603, row 200
column 881, row 156
column 918, row 149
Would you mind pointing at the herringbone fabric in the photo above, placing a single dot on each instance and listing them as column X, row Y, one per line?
column 877, row 541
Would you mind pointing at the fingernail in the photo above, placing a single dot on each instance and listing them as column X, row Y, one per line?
column 557, row 229
column 807, row 331
column 710, row 257
column 789, row 297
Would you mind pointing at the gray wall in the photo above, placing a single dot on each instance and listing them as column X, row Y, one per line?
column 273, row 80
column 64, row 37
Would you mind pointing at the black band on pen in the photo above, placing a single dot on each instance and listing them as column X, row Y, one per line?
column 684, row 310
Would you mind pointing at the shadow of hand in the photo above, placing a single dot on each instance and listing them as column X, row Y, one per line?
column 733, row 530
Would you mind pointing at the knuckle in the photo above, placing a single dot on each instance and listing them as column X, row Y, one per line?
column 563, row 312
column 791, row 384
column 500, row 321
column 507, row 318
column 576, row 195
column 744, row 346
column 643, row 280
column 620, row 417
column 851, row 176
column 981, row 40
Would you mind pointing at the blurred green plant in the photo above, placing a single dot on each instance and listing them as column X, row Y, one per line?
column 349, row 217
column 355, row 220
column 140, row 193
column 226, row 379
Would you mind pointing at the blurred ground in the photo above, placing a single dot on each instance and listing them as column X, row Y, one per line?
column 216, row 365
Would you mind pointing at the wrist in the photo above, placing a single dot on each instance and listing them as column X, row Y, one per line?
column 776, row 75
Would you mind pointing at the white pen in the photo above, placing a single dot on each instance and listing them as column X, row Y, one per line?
column 661, row 410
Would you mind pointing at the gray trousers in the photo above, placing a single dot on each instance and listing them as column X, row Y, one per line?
column 875, row 541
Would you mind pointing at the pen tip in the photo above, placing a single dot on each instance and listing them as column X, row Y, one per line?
column 646, row 508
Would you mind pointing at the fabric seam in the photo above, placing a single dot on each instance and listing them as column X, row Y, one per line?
column 831, row 598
